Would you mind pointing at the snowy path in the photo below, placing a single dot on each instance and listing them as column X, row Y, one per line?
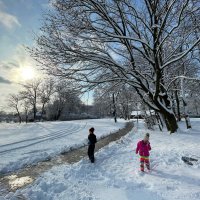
column 27, row 175
column 26, row 144
column 115, row 175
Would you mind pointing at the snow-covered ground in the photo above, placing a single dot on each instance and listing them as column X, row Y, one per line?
column 22, row 144
column 116, row 176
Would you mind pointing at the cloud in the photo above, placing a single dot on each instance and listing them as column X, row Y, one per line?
column 8, row 65
column 3, row 80
column 8, row 20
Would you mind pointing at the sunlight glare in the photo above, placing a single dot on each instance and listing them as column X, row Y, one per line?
column 27, row 73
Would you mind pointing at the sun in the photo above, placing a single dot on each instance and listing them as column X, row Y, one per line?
column 27, row 73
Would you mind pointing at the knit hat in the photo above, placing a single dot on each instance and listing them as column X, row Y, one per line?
column 147, row 135
column 91, row 130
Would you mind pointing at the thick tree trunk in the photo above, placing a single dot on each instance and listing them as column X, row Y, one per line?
column 171, row 122
column 169, row 116
column 163, row 105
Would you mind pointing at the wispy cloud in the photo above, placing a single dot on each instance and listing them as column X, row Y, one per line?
column 3, row 80
column 6, row 19
column 8, row 65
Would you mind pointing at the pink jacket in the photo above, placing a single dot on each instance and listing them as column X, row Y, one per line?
column 143, row 148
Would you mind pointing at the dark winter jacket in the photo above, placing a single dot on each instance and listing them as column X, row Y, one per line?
column 92, row 139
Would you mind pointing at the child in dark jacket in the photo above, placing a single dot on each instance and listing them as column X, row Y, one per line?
column 92, row 140
column 143, row 147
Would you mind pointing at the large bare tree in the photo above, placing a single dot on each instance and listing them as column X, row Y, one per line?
column 129, row 41
column 64, row 101
column 30, row 92
column 14, row 102
column 47, row 89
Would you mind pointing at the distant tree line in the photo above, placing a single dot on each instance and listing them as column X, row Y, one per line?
column 116, row 101
column 47, row 99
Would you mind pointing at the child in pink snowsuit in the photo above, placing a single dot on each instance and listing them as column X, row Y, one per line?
column 143, row 147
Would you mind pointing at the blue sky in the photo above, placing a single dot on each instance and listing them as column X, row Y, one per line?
column 18, row 20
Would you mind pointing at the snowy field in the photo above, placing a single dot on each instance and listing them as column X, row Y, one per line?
column 116, row 176
column 25, row 144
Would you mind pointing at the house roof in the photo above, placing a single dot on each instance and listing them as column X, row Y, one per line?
column 138, row 112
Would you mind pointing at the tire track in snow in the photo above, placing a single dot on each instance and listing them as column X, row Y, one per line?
column 39, row 137
column 60, row 134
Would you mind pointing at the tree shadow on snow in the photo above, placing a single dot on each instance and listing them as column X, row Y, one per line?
column 180, row 178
